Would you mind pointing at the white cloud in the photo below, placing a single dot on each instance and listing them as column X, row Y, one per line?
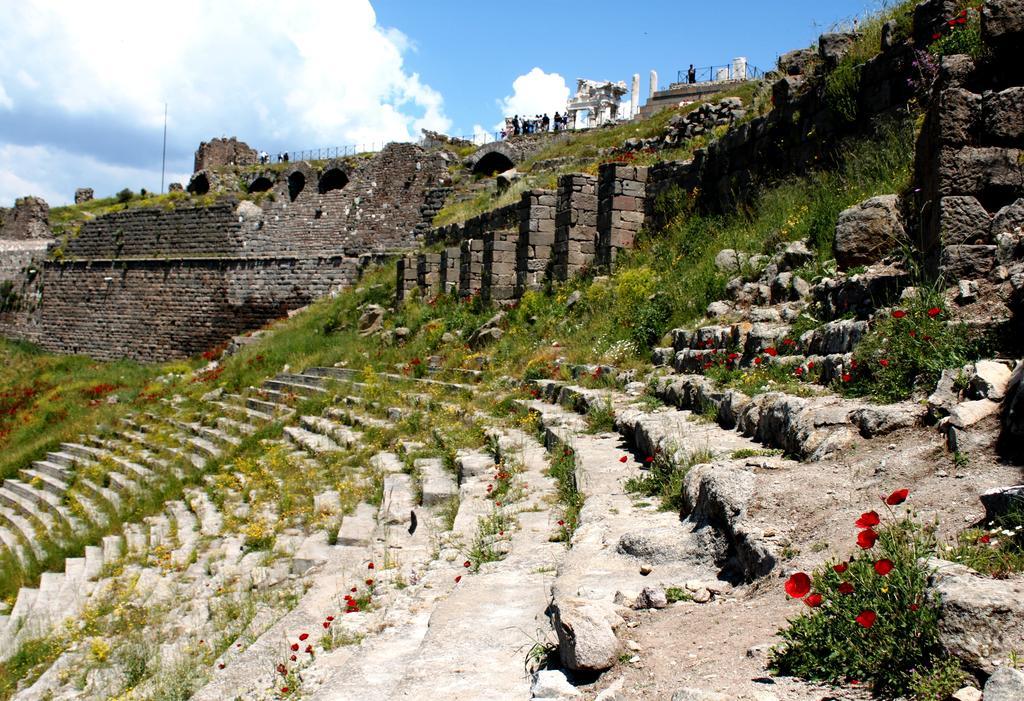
column 481, row 135
column 279, row 76
column 535, row 93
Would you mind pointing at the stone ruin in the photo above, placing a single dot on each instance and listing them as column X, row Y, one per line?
column 28, row 220
column 224, row 152
column 599, row 100
column 83, row 194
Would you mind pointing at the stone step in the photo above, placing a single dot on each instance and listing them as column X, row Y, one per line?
column 360, row 420
column 11, row 542
column 46, row 500
column 357, row 528
column 211, row 523
column 237, row 406
column 23, row 605
column 23, row 528
column 66, row 460
column 265, row 407
column 41, row 519
column 315, row 443
column 339, row 433
column 437, row 483
column 93, row 562
column 399, row 500
column 131, row 469
column 238, row 428
column 348, row 375
column 99, row 495
column 54, row 478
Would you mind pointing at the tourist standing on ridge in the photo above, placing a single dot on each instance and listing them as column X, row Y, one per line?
column 691, row 75
column 558, row 121
column 545, row 122
column 515, row 125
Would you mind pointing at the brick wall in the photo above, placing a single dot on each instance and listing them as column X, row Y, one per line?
column 621, row 192
column 575, row 225
column 536, row 239
column 499, row 265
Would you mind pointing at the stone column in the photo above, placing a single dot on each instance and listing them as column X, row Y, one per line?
column 499, row 268
column 450, row 270
column 536, row 239
column 621, row 191
column 653, row 87
column 428, row 273
column 575, row 225
column 471, row 263
column 406, row 276
column 634, row 95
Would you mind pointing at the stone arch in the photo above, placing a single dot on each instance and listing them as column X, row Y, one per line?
column 199, row 184
column 332, row 179
column 261, row 184
column 492, row 162
column 296, row 184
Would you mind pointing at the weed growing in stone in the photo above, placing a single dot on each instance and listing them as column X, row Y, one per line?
column 665, row 474
column 563, row 469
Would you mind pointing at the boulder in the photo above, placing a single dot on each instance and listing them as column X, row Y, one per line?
column 962, row 220
column 1004, row 115
column 371, row 319
column 930, row 17
column 981, row 619
column 731, row 261
column 990, row 380
column 882, row 419
column 795, row 255
column 651, row 598
column 786, row 89
column 1002, row 21
column 867, row 231
column 1005, row 684
column 1008, row 218
column 967, row 693
column 967, row 262
column 1013, row 406
column 997, row 501
column 552, row 684
column 833, row 46
column 798, row 62
column 83, row 194
column 967, row 414
column 586, row 634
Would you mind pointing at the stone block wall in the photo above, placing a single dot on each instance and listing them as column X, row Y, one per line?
column 575, row 225
column 499, row 266
column 28, row 219
column 621, row 192
column 450, row 268
column 157, row 309
column 499, row 218
column 536, row 239
column 471, row 267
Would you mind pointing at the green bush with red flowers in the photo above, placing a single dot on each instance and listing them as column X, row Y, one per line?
column 869, row 619
column 906, row 351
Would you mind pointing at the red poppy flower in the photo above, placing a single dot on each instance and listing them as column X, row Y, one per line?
column 897, row 497
column 309, row 649
column 936, row 36
column 798, row 585
column 490, row 487
column 914, row 607
column 913, row 333
column 883, row 567
column 846, row 377
column 771, row 351
column 303, row 636
column 845, row 588
column 327, row 624
column 799, row 371
column 866, row 538
column 295, row 646
column 757, row 361
column 369, row 566
column 458, row 578
column 623, row 459
column 867, row 520
column 466, row 563
column 985, row 538
column 284, row 689
column 649, row 459
column 884, row 363
column 898, row 314
column 353, row 590
column 330, row 618
column 561, row 522
column 841, row 567
column 281, row 669
column 813, row 600
column 867, row 618
column 220, row 666
column 497, row 503
column 369, row 582
column 934, row 312
column 293, row 658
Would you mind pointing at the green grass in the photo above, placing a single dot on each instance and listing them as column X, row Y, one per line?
column 563, row 469
column 665, row 476
column 46, row 399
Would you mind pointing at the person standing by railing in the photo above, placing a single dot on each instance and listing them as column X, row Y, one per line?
column 691, row 75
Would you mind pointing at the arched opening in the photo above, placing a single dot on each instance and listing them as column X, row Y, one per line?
column 199, row 184
column 493, row 162
column 260, row 184
column 296, row 184
column 333, row 179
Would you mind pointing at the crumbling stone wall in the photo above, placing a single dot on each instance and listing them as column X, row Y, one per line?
column 500, row 266
column 216, row 153
column 28, row 219
column 621, row 192
column 156, row 309
column 536, row 239
column 506, row 217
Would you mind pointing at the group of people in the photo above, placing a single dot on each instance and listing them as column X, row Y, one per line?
column 515, row 126
column 266, row 158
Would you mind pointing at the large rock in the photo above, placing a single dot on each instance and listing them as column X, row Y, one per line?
column 978, row 169
column 586, row 634
column 930, row 17
column 1005, row 684
column 962, row 220
column 798, row 62
column 982, row 619
column 867, row 231
column 990, row 380
column 1013, row 406
column 833, row 46
column 371, row 319
column 1008, row 218
column 967, row 262
column 1002, row 21
column 552, row 684
column 1004, row 115
column 998, row 501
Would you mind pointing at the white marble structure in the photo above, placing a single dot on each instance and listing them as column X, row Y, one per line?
column 599, row 100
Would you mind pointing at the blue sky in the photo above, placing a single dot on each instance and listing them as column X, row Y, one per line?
column 83, row 85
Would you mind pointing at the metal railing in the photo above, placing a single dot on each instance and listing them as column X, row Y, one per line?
column 719, row 74
column 327, row 152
